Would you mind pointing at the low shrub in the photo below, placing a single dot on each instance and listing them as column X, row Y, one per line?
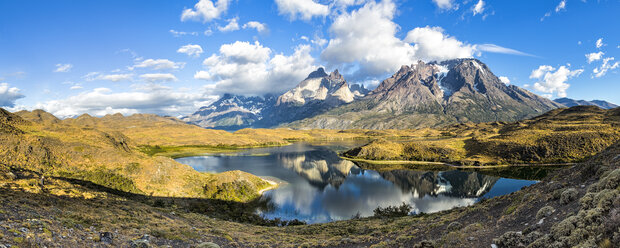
column 393, row 211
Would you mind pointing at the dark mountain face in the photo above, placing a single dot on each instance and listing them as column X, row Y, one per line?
column 432, row 94
column 599, row 103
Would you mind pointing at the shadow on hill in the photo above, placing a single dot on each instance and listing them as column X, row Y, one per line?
column 215, row 208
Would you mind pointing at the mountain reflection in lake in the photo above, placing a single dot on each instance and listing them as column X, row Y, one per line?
column 321, row 187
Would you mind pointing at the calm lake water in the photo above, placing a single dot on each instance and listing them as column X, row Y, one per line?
column 321, row 187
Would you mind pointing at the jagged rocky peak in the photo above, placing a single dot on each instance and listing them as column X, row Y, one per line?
column 318, row 86
column 436, row 93
column 319, row 73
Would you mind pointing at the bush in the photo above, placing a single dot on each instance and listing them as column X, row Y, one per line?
column 454, row 226
column 568, row 195
column 545, row 211
column 393, row 211
column 510, row 239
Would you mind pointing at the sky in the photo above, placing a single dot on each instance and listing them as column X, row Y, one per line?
column 172, row 57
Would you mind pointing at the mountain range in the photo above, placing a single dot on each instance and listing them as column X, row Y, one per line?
column 314, row 95
column 418, row 95
column 599, row 103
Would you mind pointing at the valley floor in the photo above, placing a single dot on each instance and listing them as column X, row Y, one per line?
column 72, row 213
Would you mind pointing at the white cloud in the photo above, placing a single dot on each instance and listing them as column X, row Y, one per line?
column 158, row 77
column 599, row 43
column 246, row 68
column 504, row 80
column 76, row 87
column 367, row 36
column 260, row 27
column 92, row 76
column 182, row 33
column 203, row 75
column 364, row 42
column 551, row 80
column 231, row 26
column 242, row 53
column 191, row 50
column 591, row 57
column 63, row 67
column 157, row 64
column 432, row 44
column 319, row 41
column 302, row 9
column 205, row 10
column 478, row 8
column 153, row 99
column 561, row 6
column 8, row 95
column 445, row 4
column 499, row 49
column 605, row 67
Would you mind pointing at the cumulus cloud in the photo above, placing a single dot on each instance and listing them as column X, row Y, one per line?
column 205, row 10
column 301, row 9
column 260, row 27
column 158, row 77
column 101, row 101
column 478, row 8
column 591, row 57
column 504, row 80
column 157, row 64
column 191, row 50
column 607, row 65
column 364, row 42
column 92, row 76
column 367, row 36
column 431, row 43
column 551, row 80
column 63, row 67
column 231, row 26
column 8, row 95
column 599, row 43
column 250, row 69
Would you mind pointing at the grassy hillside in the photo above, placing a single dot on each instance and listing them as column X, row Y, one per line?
column 559, row 136
column 577, row 206
column 87, row 150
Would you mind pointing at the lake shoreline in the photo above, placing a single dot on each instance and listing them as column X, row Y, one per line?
column 431, row 163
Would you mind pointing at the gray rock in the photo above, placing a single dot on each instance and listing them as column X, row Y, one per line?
column 106, row 237
column 140, row 243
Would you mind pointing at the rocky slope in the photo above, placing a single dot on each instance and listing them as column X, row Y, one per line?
column 434, row 94
column 315, row 94
column 572, row 102
column 232, row 112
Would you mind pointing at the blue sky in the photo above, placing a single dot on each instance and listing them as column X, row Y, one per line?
column 171, row 57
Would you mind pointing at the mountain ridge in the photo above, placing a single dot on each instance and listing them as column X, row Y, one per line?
column 568, row 102
column 434, row 94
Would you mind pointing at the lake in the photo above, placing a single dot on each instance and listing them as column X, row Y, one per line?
column 318, row 186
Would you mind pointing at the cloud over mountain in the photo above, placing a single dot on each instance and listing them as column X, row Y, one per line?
column 251, row 69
